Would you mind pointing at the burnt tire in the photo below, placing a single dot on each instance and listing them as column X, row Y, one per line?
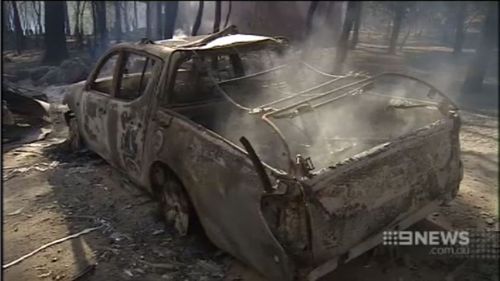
column 74, row 140
column 175, row 206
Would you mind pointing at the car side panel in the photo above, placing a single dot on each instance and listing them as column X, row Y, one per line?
column 127, row 124
column 224, row 189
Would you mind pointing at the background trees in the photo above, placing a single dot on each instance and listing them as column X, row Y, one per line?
column 118, row 21
column 17, row 27
column 398, row 11
column 92, row 25
column 477, row 68
column 342, row 45
column 459, row 29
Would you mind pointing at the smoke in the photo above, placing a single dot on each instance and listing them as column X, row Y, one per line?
column 186, row 16
column 179, row 34
column 329, row 133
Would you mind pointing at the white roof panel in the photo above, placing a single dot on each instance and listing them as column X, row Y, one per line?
column 234, row 39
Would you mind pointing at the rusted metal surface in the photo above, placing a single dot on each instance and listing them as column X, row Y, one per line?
column 305, row 216
column 361, row 194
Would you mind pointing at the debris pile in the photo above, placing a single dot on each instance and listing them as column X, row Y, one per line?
column 27, row 116
column 69, row 71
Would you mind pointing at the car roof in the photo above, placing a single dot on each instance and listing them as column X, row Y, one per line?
column 218, row 42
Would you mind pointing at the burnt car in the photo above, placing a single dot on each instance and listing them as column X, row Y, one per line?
column 288, row 168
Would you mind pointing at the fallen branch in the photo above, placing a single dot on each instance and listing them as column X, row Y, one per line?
column 167, row 266
column 85, row 231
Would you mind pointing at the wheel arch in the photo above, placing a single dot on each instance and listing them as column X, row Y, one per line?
column 153, row 184
column 155, row 188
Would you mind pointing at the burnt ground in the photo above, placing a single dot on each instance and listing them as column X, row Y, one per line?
column 49, row 194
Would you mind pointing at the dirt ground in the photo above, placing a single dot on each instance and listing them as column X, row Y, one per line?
column 49, row 194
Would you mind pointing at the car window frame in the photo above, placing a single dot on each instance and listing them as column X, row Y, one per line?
column 120, row 62
column 100, row 64
column 167, row 101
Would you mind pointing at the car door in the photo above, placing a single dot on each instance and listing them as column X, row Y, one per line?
column 95, row 98
column 129, row 109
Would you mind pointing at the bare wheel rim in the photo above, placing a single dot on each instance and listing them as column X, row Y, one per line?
column 175, row 206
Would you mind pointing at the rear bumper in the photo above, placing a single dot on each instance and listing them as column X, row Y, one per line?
column 371, row 242
column 338, row 215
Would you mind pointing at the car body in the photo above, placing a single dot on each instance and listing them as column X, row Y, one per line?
column 263, row 201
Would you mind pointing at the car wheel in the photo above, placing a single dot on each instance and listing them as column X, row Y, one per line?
column 74, row 139
column 174, row 202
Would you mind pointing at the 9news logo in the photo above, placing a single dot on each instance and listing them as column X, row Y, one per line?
column 427, row 238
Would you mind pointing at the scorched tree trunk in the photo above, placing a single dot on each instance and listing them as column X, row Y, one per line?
column 55, row 38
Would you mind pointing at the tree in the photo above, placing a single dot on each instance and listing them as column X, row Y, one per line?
column 405, row 38
column 171, row 8
column 118, row 22
column 342, row 46
column 78, row 28
column 217, row 16
column 388, row 28
column 398, row 13
column 67, row 27
column 334, row 17
column 37, row 8
column 135, row 22
column 6, row 25
column 459, row 29
column 357, row 24
column 17, row 28
column 447, row 22
column 477, row 68
column 5, row 18
column 82, row 12
column 93, row 7
column 23, row 17
column 55, row 38
column 100, row 29
column 159, row 24
column 310, row 16
column 228, row 14
column 414, row 12
column 197, row 22
column 148, row 19
column 126, row 21
column 76, row 15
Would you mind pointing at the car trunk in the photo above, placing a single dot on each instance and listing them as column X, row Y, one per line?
column 352, row 125
column 382, row 186
column 328, row 134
